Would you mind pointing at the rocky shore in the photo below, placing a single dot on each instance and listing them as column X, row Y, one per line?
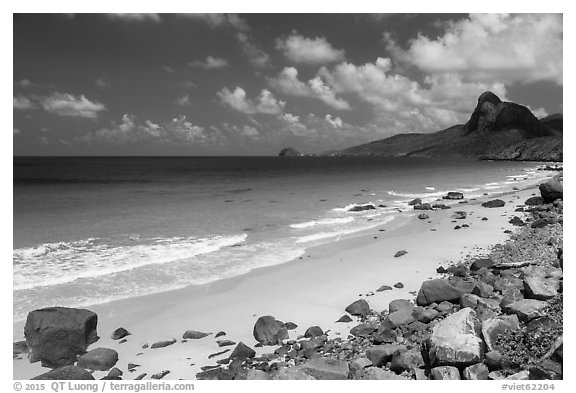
column 498, row 316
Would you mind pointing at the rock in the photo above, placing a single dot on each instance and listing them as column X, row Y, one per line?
column 225, row 343
column 551, row 190
column 425, row 315
column 194, row 335
column 74, row 373
column 289, row 152
column 19, row 347
column 290, row 325
column 399, row 285
column 360, row 208
column 456, row 340
column 546, row 369
column 162, row 344
column 120, row 333
column 539, row 223
column 255, row 375
column 445, row 373
column 416, row 201
column 517, row 221
column 459, row 215
column 494, row 203
column 220, row 334
column 56, row 335
column 437, row 290
column 160, row 375
column 101, row 359
column 423, row 216
column 141, row 376
column 242, row 352
column 477, row 371
column 453, row 195
column 326, row 369
column 114, row 374
column 216, row 374
column 132, row 366
column 384, row 288
column 482, row 289
column 423, row 206
column 269, row 331
column 504, row 284
column 359, row 364
column 380, row 354
column 375, row 373
column 526, row 309
column 384, row 335
column 493, row 327
column 291, row 374
column 400, row 304
column 359, row 307
column 540, row 288
column 363, row 330
column 533, row 201
column 400, row 253
column 440, row 206
column 522, row 376
column 406, row 361
column 313, row 331
column 468, row 300
column 441, row 270
column 345, row 319
column 495, row 360
column 444, row 307
column 400, row 317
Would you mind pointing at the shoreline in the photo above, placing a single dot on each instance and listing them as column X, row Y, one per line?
column 309, row 291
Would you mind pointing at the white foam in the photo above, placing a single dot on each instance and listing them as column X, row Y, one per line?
column 64, row 262
column 326, row 221
column 430, row 188
column 343, row 232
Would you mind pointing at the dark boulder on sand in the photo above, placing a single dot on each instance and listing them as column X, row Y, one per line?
column 453, row 195
column 313, row 331
column 359, row 307
column 269, row 331
column 242, row 352
column 345, row 319
column 162, row 344
column 194, row 335
column 99, row 359
column 533, row 201
column 494, row 203
column 400, row 253
column 73, row 373
column 423, row 216
column 423, row 206
column 414, row 202
column 360, row 208
column 56, row 335
column 120, row 333
column 553, row 189
column 438, row 290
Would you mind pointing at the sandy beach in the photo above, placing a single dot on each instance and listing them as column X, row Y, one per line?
column 313, row 290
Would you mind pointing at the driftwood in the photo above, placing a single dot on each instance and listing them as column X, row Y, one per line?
column 511, row 265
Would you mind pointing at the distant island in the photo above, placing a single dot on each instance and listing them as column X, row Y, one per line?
column 496, row 130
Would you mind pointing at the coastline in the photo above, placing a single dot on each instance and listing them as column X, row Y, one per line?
column 309, row 291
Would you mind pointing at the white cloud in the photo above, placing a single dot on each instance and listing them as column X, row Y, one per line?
column 290, row 118
column 102, row 83
column 300, row 49
column 485, row 47
column 210, row 63
column 64, row 104
column 250, row 131
column 334, row 122
column 183, row 101
column 539, row 112
column 23, row 83
column 287, row 82
column 21, row 102
column 219, row 20
column 136, row 17
column 177, row 131
column 265, row 103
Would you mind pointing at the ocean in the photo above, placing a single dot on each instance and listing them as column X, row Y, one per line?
column 89, row 230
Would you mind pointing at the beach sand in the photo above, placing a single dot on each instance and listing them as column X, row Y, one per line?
column 310, row 291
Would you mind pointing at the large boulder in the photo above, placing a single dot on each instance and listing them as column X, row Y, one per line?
column 540, row 288
column 445, row 373
column 493, row 327
column 400, row 317
column 553, row 189
column 376, row 373
column 436, row 291
column 66, row 373
column 359, row 308
column 453, row 195
column 56, row 335
column 269, row 331
column 456, row 340
column 406, row 361
column 478, row 371
column 526, row 309
column 291, row 374
column 494, row 203
column 242, row 352
column 399, row 304
column 363, row 329
column 380, row 354
column 323, row 368
column 101, row 359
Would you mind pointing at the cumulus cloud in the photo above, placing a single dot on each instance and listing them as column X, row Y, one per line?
column 220, row 20
column 22, row 102
column 265, row 103
column 256, row 55
column 64, row 104
column 287, row 82
column 136, row 17
column 23, row 83
column 334, row 122
column 131, row 130
column 485, row 47
column 210, row 63
column 300, row 49
column 183, row 101
column 102, row 83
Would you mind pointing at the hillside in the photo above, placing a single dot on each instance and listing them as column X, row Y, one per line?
column 496, row 130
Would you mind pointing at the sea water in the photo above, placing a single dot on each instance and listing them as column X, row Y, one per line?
column 89, row 230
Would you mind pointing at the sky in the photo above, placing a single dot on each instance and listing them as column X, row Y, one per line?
column 252, row 84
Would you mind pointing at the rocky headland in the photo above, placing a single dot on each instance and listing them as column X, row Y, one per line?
column 494, row 316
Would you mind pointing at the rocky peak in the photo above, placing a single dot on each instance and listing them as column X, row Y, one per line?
column 289, row 152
